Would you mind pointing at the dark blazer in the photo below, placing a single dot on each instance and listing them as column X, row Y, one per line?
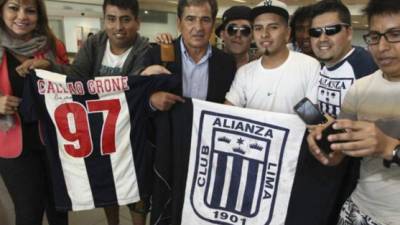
column 221, row 70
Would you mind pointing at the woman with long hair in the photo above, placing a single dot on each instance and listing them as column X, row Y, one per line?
column 25, row 34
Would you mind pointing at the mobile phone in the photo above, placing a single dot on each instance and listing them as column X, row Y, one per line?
column 323, row 143
column 167, row 53
column 309, row 113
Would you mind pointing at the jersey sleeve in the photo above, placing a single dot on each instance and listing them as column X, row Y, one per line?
column 147, row 85
column 82, row 65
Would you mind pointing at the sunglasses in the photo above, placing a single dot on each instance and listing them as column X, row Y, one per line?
column 232, row 30
column 328, row 30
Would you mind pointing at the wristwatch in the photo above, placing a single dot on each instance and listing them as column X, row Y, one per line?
column 395, row 159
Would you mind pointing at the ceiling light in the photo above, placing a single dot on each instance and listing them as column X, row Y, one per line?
column 241, row 1
column 173, row 2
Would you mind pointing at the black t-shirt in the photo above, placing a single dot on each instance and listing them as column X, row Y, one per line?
column 30, row 130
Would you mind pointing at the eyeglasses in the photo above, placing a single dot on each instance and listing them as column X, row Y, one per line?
column 232, row 30
column 328, row 30
column 391, row 36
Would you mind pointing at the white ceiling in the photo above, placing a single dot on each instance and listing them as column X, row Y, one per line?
column 92, row 8
column 222, row 3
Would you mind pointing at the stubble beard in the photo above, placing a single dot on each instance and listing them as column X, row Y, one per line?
column 324, row 59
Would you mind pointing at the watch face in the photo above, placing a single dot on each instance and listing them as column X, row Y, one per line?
column 396, row 157
column 397, row 153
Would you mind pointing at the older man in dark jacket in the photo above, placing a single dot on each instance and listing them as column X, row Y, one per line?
column 206, row 72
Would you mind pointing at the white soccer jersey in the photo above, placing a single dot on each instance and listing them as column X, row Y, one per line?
column 95, row 136
column 335, row 81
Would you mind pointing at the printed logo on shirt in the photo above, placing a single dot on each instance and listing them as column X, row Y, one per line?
column 236, row 177
column 331, row 92
column 110, row 71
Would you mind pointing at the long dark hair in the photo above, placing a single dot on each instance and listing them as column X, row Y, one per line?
column 42, row 26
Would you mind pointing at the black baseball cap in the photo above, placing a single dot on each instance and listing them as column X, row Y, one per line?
column 233, row 13
column 270, row 6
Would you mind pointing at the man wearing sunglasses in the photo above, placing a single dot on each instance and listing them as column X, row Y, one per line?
column 331, row 36
column 374, row 100
column 235, row 31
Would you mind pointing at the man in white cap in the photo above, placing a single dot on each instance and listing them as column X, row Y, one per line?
column 280, row 78
column 276, row 82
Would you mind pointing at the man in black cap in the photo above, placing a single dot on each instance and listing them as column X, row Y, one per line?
column 235, row 31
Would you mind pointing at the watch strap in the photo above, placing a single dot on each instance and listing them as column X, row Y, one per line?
column 395, row 159
column 396, row 155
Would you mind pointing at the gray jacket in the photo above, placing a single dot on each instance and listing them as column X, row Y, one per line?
column 88, row 60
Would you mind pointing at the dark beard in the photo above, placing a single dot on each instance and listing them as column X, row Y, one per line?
column 266, row 52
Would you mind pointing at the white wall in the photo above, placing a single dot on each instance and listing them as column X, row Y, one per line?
column 358, row 38
column 71, row 31
column 150, row 30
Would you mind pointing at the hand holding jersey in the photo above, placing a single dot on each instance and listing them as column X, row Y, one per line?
column 154, row 69
column 31, row 64
column 163, row 101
